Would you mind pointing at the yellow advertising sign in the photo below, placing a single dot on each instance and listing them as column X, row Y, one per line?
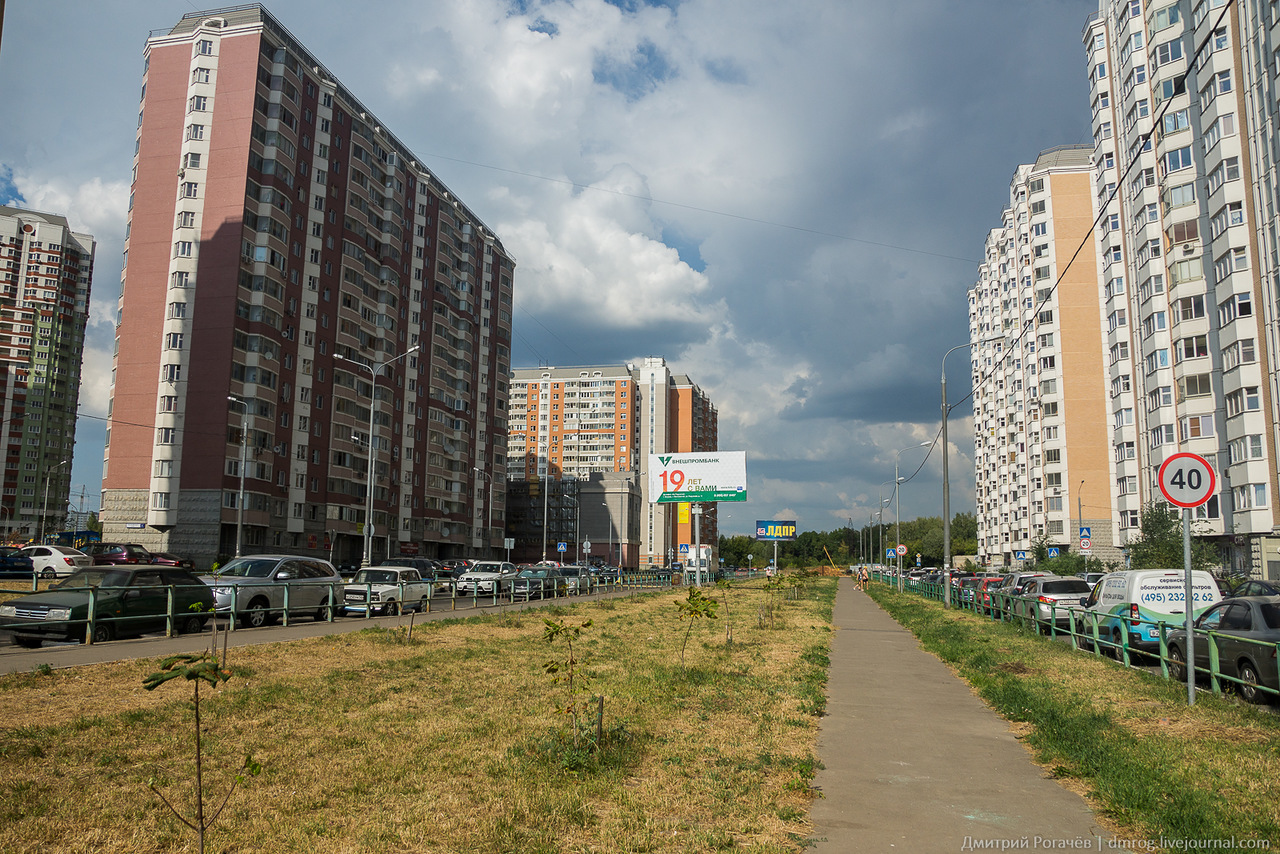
column 684, row 513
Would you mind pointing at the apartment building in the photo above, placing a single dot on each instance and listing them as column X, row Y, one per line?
column 46, row 273
column 591, row 430
column 1040, row 421
column 313, row 339
column 1185, row 142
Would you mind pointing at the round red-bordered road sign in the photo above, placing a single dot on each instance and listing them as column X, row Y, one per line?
column 1187, row 480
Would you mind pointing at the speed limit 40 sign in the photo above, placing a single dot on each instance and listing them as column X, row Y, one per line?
column 1187, row 480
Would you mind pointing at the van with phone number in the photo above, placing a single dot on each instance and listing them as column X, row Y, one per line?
column 1136, row 601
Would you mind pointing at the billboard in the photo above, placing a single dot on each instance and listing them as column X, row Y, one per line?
column 705, row 476
column 773, row 530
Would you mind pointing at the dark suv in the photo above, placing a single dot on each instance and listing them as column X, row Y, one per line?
column 116, row 554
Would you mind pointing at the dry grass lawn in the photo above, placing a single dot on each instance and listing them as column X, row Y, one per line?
column 449, row 742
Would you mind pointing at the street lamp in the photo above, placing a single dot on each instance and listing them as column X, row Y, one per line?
column 897, row 510
column 946, row 483
column 45, row 512
column 374, row 370
column 488, row 529
column 244, row 444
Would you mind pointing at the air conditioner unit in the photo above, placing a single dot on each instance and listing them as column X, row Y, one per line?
column 1188, row 248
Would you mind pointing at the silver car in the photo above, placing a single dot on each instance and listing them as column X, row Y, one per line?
column 487, row 577
column 256, row 587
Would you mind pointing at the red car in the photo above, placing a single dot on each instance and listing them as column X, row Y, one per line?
column 116, row 554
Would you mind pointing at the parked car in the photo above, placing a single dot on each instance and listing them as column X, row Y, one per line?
column 457, row 565
column 55, row 561
column 1012, row 585
column 15, row 563
column 539, row 582
column 129, row 601
column 1246, row 631
column 117, row 554
column 1255, row 587
column 426, row 567
column 985, row 588
column 486, row 577
column 1134, row 602
column 166, row 559
column 578, row 579
column 386, row 590
column 1048, row 600
column 256, row 587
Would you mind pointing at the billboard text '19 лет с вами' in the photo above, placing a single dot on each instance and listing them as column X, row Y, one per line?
column 705, row 476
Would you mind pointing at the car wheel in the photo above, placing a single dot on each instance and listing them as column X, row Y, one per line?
column 1248, row 685
column 1117, row 641
column 48, row 572
column 1177, row 664
column 26, row 642
column 392, row 608
column 425, row 605
column 257, row 616
column 322, row 613
column 192, row 625
column 103, row 632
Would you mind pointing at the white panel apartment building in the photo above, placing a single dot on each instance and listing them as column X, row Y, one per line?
column 1040, row 423
column 1189, row 249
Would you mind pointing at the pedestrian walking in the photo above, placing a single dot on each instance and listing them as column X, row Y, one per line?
column 863, row 578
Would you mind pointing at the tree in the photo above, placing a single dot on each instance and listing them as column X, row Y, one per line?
column 1159, row 541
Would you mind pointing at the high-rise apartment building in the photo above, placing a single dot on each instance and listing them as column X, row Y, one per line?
column 598, row 425
column 1041, row 443
column 46, row 271
column 1185, row 143
column 304, row 305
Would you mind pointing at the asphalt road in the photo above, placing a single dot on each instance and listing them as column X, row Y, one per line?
column 16, row 659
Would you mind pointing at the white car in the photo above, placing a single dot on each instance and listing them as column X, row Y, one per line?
column 386, row 590
column 487, row 578
column 56, row 561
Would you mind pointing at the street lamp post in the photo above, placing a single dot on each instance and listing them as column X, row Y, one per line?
column 897, row 510
column 946, row 483
column 45, row 511
column 374, row 370
column 244, row 445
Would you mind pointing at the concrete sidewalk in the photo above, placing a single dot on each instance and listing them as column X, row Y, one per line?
column 915, row 762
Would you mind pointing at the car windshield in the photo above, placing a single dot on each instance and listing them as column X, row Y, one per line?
column 247, row 567
column 376, row 576
column 102, row 577
column 1073, row 585
column 533, row 573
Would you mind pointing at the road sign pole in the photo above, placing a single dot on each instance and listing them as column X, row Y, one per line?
column 1189, row 606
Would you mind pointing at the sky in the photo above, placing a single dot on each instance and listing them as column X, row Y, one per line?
column 787, row 201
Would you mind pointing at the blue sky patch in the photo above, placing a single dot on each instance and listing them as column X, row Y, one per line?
column 9, row 194
column 647, row 68
column 687, row 249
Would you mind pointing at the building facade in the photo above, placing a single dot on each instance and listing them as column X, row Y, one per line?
column 1042, row 447
column 596, row 427
column 303, row 305
column 1185, row 143
column 46, row 274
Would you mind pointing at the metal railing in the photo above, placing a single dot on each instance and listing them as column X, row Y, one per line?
column 1108, row 634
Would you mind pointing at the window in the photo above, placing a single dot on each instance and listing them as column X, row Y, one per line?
column 186, row 219
column 172, row 373
column 1190, row 308
column 166, row 435
column 191, row 160
column 173, row 341
column 190, row 189
column 1250, row 496
column 1156, row 360
column 183, row 249
column 1158, row 397
column 179, row 279
column 1239, row 305
column 195, row 131
column 1179, row 158
column 1242, row 400
column 1239, row 353
column 200, row 75
column 197, row 103
column 204, row 47
column 159, row 501
column 1191, row 347
column 1160, row 435
column 1197, row 426
column 1195, row 385
column 1167, row 52
column 1123, row 417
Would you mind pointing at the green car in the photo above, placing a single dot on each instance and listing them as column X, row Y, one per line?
column 129, row 601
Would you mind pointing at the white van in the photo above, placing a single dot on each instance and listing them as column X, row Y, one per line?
column 1139, row 600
